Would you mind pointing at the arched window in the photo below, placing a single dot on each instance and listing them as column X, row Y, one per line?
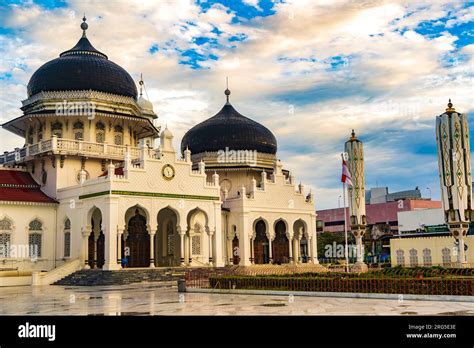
column 5, row 234
column 400, row 257
column 196, row 240
column 78, row 129
column 413, row 257
column 67, row 238
column 34, row 238
column 170, row 237
column 446, row 254
column 57, row 129
column 99, row 132
column 118, row 135
column 427, row 257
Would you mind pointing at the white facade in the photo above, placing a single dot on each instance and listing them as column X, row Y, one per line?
column 417, row 219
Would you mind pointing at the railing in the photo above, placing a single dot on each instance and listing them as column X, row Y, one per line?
column 421, row 281
column 72, row 147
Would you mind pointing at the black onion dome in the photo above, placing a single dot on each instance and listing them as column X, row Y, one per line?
column 82, row 68
column 228, row 128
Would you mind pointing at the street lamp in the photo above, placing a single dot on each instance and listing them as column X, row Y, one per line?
column 340, row 201
column 429, row 189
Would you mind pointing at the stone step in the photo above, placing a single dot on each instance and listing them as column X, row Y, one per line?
column 95, row 277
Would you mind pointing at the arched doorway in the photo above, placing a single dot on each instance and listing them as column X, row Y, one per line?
column 167, row 239
column 96, row 241
column 235, row 251
column 280, row 245
column 138, row 241
column 261, row 250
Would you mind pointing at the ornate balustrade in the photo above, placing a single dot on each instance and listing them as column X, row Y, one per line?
column 69, row 147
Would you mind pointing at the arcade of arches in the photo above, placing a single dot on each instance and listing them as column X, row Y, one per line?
column 141, row 245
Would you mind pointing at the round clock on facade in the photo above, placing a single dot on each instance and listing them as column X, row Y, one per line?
column 168, row 172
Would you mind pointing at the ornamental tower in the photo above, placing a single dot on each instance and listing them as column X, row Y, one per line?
column 452, row 138
column 82, row 111
column 358, row 221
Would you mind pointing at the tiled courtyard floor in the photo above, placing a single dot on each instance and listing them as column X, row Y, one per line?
column 150, row 299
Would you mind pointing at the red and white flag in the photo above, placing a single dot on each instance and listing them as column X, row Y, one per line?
column 346, row 175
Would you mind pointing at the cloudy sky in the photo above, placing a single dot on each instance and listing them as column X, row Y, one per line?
column 308, row 70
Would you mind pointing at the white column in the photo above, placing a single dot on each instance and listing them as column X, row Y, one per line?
column 298, row 250
column 119, row 245
column 109, row 228
column 270, row 252
column 230, row 252
column 218, row 253
column 190, row 249
column 181, row 244
column 152, row 248
column 211, row 249
column 85, row 245
column 314, row 240
column 290, row 248
column 182, row 241
column 245, row 241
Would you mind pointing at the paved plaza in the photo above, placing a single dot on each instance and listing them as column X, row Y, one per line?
column 153, row 299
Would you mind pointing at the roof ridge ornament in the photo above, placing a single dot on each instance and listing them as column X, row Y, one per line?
column 141, row 83
column 450, row 107
column 84, row 26
column 227, row 91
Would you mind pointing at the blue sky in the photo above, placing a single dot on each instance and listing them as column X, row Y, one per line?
column 309, row 70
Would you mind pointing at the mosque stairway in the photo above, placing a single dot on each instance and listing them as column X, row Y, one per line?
column 97, row 277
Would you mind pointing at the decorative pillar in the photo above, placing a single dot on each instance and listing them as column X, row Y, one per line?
column 152, row 247
column 452, row 138
column 230, row 251
column 290, row 246
column 109, row 228
column 86, row 231
column 246, row 254
column 270, row 251
column 182, row 233
column 119, row 245
column 189, row 247
column 211, row 249
column 356, row 194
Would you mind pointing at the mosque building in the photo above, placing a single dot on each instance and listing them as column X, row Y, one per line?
column 89, row 187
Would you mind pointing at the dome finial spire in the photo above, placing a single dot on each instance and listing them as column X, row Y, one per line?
column 450, row 107
column 84, row 25
column 227, row 91
column 141, row 83
column 353, row 135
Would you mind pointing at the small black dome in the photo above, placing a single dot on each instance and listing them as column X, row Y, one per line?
column 228, row 128
column 82, row 68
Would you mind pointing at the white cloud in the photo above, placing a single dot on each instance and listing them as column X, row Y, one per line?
column 393, row 78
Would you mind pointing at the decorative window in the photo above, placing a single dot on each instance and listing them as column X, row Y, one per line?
column 67, row 238
column 78, row 129
column 118, row 135
column 5, row 233
column 413, row 258
column 196, row 240
column 446, row 254
column 99, row 132
column 35, row 237
column 400, row 257
column 170, row 236
column 427, row 257
column 57, row 129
